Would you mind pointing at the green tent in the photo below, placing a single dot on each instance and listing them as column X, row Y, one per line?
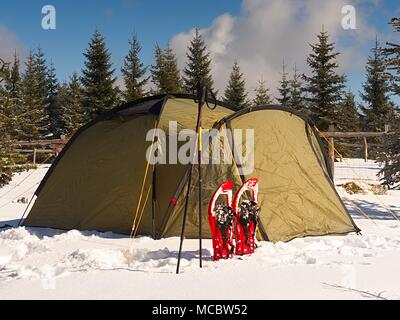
column 102, row 174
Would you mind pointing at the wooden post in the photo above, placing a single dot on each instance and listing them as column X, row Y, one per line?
column 34, row 156
column 331, row 148
column 365, row 149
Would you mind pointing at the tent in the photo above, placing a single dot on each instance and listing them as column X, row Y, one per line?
column 98, row 180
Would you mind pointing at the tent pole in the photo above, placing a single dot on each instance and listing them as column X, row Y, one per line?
column 25, row 211
column 201, row 92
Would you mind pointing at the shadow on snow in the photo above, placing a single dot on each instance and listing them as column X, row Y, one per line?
column 373, row 210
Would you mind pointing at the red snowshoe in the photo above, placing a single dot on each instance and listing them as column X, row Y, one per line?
column 221, row 216
column 247, row 212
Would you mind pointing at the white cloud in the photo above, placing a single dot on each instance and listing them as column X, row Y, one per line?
column 266, row 32
column 9, row 42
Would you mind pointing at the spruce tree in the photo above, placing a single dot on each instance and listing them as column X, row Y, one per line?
column 157, row 70
column 11, row 97
column 324, row 86
column 62, row 105
column 72, row 111
column 348, row 120
column 284, row 89
column 376, row 106
column 6, row 122
column 165, row 73
column 173, row 79
column 296, row 95
column 198, row 67
column 54, row 110
column 235, row 92
column 6, row 110
column 43, row 87
column 262, row 95
column 16, row 85
column 98, row 78
column 392, row 54
column 30, row 102
column 34, row 113
column 389, row 153
column 348, row 117
column 42, row 76
column 133, row 72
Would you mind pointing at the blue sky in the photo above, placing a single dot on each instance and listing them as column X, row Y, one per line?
column 154, row 22
column 157, row 21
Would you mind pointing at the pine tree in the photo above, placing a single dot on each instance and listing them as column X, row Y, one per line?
column 34, row 116
column 165, row 73
column 377, row 108
column 98, row 78
column 133, row 72
column 262, row 95
column 284, row 89
column 235, row 92
column 324, row 86
column 296, row 96
column 73, row 116
column 198, row 68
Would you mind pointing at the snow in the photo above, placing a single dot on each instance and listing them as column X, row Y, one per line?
column 356, row 170
column 43, row 263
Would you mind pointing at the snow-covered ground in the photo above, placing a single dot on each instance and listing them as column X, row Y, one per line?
column 44, row 263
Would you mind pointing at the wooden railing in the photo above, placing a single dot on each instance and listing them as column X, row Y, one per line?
column 331, row 134
column 53, row 146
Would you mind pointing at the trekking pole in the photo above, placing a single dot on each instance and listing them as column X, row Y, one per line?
column 201, row 97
